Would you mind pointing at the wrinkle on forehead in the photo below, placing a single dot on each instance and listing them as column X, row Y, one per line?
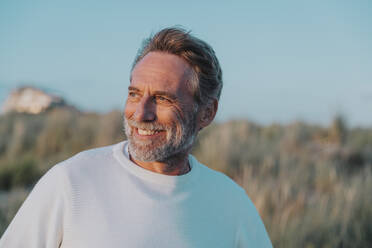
column 163, row 71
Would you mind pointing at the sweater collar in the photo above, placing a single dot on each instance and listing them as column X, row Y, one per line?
column 121, row 154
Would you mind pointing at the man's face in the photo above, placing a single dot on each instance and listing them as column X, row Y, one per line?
column 159, row 116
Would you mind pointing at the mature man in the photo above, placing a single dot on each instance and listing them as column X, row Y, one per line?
column 147, row 191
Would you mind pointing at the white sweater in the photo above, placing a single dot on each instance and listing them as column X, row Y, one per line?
column 99, row 198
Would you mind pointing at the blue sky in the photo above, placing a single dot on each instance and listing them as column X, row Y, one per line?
column 282, row 60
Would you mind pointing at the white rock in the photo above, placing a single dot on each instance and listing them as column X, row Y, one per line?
column 30, row 100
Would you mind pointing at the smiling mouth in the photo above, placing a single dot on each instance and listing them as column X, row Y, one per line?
column 146, row 132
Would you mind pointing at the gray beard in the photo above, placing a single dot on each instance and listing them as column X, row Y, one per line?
column 161, row 150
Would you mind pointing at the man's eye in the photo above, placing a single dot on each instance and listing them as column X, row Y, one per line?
column 132, row 94
column 162, row 99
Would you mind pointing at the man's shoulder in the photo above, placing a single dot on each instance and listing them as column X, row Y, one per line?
column 220, row 182
column 87, row 160
column 224, row 192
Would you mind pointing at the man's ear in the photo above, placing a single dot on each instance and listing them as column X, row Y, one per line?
column 207, row 113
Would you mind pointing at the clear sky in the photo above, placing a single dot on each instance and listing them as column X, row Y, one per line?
column 282, row 60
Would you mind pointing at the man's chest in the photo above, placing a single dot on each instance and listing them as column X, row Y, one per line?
column 135, row 221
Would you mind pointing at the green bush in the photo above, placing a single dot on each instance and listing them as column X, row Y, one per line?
column 23, row 173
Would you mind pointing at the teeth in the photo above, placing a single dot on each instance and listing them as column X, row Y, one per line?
column 147, row 132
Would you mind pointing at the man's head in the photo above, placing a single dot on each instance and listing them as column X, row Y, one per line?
column 176, row 82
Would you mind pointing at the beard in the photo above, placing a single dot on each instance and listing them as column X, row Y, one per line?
column 179, row 137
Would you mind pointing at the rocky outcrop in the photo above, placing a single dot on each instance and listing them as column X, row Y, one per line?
column 31, row 100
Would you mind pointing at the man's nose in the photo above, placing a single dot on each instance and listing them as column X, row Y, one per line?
column 145, row 110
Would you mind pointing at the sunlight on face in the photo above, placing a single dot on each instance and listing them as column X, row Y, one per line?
column 160, row 118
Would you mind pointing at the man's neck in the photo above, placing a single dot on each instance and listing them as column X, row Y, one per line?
column 174, row 166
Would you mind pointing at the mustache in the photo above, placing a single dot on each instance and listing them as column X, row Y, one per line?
column 147, row 125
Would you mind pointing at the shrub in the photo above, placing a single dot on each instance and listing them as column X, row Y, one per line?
column 22, row 173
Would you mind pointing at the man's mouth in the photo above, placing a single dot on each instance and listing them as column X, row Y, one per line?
column 146, row 132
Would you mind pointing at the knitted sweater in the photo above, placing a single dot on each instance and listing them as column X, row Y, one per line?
column 99, row 198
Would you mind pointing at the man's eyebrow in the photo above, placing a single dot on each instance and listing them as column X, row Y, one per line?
column 133, row 88
column 157, row 93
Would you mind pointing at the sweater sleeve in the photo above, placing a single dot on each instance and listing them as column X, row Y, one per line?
column 39, row 221
column 251, row 231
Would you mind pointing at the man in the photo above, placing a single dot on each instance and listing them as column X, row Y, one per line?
column 147, row 191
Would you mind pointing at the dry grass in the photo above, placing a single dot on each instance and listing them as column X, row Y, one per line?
column 312, row 207
column 312, row 185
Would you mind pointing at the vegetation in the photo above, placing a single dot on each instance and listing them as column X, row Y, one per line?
column 311, row 184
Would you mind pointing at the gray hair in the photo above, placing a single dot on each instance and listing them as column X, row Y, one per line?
column 207, row 81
